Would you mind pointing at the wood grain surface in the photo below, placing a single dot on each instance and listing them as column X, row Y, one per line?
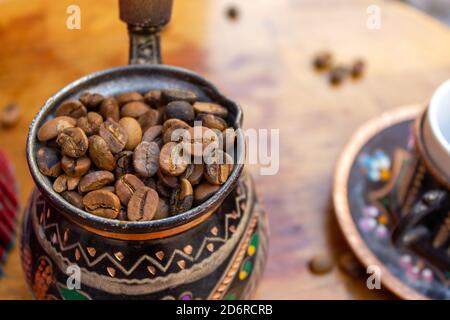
column 263, row 60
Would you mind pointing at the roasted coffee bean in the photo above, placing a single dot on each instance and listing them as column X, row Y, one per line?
column 170, row 95
column 228, row 139
column 126, row 186
column 162, row 211
column 152, row 134
column 338, row 74
column 149, row 119
column 172, row 130
column 193, row 173
column 182, row 198
column 169, row 181
column 232, row 13
column 50, row 129
column 211, row 108
column 134, row 109
column 146, row 159
column 204, row 191
column 109, row 109
column 128, row 97
column 71, row 108
column 153, row 98
column 323, row 61
column 74, row 198
column 64, row 182
column 143, row 204
column 163, row 190
column 90, row 124
column 172, row 159
column 102, row 203
column 321, row 264
column 114, row 134
column 215, row 168
column 100, row 154
column 75, row 167
column 133, row 131
column 180, row 110
column 358, row 68
column 49, row 161
column 124, row 163
column 200, row 140
column 73, row 142
column 95, row 180
column 91, row 100
column 211, row 121
column 10, row 115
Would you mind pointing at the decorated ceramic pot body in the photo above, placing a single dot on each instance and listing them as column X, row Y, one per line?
column 220, row 257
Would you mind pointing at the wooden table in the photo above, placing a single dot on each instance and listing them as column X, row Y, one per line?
column 263, row 60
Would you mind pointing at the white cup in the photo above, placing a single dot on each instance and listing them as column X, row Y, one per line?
column 436, row 129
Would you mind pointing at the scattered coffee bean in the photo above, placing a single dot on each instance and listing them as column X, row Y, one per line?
column 162, row 211
column 10, row 115
column 75, row 167
column 114, row 134
column 338, row 74
column 358, row 68
column 149, row 119
column 73, row 142
column 102, row 203
column 49, row 161
column 180, row 110
column 143, row 204
column 170, row 95
column 350, row 265
column 211, row 121
column 100, row 154
column 321, row 264
column 323, row 61
column 109, row 109
column 182, row 198
column 193, row 173
column 204, row 191
column 90, row 124
column 134, row 109
column 95, row 180
column 146, row 159
column 71, row 108
column 133, row 131
column 73, row 198
column 153, row 98
column 126, row 186
column 128, row 97
column 124, row 163
column 211, row 108
column 91, row 100
column 50, row 129
column 232, row 13
column 172, row 160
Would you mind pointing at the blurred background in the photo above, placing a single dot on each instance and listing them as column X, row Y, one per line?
column 437, row 8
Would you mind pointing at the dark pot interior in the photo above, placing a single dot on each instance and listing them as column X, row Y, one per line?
column 134, row 78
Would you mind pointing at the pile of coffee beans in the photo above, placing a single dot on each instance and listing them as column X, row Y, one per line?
column 137, row 156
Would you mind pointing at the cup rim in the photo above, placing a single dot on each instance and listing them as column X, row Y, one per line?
column 113, row 225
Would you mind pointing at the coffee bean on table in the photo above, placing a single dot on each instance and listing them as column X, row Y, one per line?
column 73, row 198
column 170, row 95
column 152, row 134
column 320, row 264
column 204, row 191
column 216, row 169
column 172, row 160
column 126, row 186
column 358, row 68
column 114, row 134
column 180, row 110
column 109, row 109
column 64, row 182
column 91, row 123
column 193, row 173
column 211, row 108
column 91, row 100
column 134, row 109
column 71, row 108
column 143, row 204
column 49, row 161
column 73, row 142
column 133, row 131
column 149, row 119
column 124, row 163
column 153, row 98
column 162, row 211
column 338, row 74
column 100, row 154
column 75, row 167
column 102, row 203
column 323, row 60
column 10, row 115
column 168, row 180
column 50, row 129
column 95, row 180
column 146, row 159
column 128, row 97
column 182, row 198
column 211, row 121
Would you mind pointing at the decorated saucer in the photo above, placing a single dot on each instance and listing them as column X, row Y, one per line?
column 367, row 174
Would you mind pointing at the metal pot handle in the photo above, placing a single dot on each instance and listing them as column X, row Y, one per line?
column 145, row 20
